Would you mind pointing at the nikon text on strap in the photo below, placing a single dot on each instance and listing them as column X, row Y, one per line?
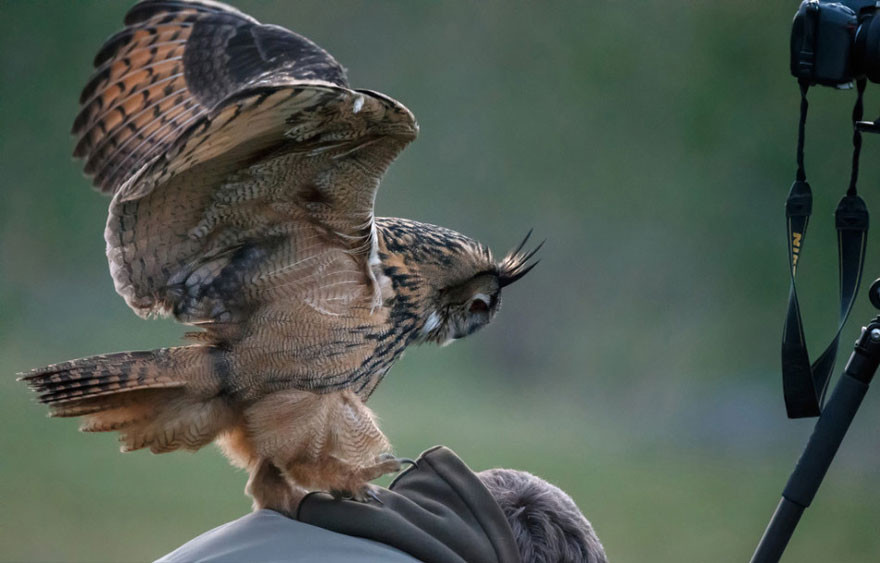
column 804, row 384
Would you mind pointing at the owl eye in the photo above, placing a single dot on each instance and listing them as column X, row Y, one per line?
column 479, row 305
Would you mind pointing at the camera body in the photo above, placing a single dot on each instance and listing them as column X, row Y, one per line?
column 834, row 43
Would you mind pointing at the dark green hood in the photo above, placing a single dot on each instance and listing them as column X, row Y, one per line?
column 437, row 511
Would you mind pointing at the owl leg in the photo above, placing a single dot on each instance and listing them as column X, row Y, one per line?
column 270, row 489
column 385, row 464
column 341, row 478
column 324, row 442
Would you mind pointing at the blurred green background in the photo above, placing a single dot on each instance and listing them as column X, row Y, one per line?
column 652, row 144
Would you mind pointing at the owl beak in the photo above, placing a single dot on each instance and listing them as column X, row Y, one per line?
column 515, row 265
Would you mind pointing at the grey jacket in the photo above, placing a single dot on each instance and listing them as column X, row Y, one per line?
column 271, row 537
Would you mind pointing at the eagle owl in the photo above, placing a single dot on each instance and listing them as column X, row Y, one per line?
column 243, row 172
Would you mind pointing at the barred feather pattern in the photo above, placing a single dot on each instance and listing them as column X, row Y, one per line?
column 173, row 63
column 93, row 377
column 162, row 399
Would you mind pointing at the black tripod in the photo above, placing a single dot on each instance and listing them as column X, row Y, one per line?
column 825, row 440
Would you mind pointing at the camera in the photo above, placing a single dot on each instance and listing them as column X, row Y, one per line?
column 834, row 43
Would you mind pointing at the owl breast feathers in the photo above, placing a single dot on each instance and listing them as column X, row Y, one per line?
column 243, row 171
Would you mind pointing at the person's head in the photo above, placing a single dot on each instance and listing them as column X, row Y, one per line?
column 546, row 523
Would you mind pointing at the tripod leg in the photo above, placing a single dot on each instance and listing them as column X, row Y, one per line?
column 822, row 446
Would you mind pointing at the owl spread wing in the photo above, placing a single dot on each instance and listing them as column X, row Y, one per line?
column 243, row 169
column 174, row 62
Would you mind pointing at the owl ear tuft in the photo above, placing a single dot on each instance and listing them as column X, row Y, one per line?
column 515, row 264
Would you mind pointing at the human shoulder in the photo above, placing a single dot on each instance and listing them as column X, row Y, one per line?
column 268, row 536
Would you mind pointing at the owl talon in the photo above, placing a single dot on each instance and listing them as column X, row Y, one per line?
column 409, row 461
column 372, row 495
column 395, row 463
column 364, row 495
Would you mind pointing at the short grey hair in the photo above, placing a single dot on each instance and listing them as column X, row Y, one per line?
column 547, row 524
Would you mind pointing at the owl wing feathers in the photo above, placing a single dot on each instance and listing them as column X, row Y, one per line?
column 262, row 195
column 243, row 168
column 173, row 63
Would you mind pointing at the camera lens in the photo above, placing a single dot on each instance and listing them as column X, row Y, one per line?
column 867, row 49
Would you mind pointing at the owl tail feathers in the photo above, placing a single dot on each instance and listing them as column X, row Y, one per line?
column 163, row 399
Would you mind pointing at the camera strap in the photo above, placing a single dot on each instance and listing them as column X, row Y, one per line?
column 804, row 384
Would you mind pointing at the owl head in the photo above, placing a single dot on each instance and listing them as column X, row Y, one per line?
column 465, row 294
